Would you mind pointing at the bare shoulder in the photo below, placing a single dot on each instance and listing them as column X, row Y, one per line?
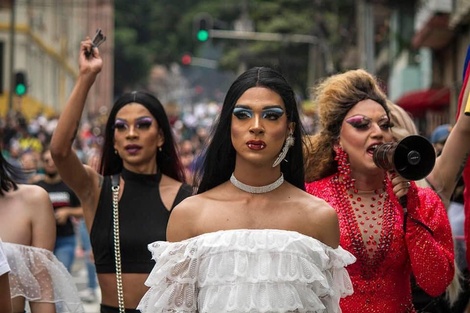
column 190, row 208
column 313, row 204
column 34, row 199
column 32, row 193
column 320, row 220
column 184, row 219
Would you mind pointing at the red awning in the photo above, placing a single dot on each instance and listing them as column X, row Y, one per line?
column 418, row 101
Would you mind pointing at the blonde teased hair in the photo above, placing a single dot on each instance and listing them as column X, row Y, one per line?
column 334, row 97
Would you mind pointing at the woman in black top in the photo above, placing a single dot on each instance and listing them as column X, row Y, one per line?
column 139, row 161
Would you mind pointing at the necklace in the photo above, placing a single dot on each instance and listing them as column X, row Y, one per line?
column 260, row 189
column 369, row 224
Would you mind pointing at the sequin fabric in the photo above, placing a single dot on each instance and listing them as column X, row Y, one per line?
column 381, row 281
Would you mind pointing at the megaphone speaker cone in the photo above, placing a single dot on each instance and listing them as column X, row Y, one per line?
column 412, row 158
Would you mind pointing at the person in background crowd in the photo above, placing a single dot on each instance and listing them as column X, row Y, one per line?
column 186, row 152
column 455, row 209
column 5, row 297
column 26, row 140
column 29, row 161
column 391, row 241
column 90, row 293
column 27, row 228
column 252, row 239
column 127, row 203
column 66, row 208
column 439, row 136
column 445, row 175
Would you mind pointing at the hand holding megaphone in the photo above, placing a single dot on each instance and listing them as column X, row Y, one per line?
column 413, row 157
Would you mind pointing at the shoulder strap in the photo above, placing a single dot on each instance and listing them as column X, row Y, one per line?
column 115, row 180
column 117, row 243
column 184, row 191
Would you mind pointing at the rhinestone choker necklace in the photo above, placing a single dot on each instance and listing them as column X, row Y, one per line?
column 253, row 189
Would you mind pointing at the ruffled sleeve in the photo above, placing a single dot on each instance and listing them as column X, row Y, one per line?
column 429, row 240
column 247, row 271
column 173, row 279
column 339, row 280
column 38, row 276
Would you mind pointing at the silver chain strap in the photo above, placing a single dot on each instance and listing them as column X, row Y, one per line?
column 117, row 248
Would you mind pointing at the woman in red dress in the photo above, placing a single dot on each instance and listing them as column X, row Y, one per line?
column 389, row 241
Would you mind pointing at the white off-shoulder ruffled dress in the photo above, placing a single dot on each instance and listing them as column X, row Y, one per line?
column 38, row 276
column 255, row 270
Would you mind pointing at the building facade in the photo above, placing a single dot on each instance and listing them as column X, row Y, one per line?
column 40, row 39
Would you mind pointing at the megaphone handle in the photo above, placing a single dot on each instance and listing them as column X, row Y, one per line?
column 404, row 202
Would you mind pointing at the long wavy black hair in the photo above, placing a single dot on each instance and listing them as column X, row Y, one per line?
column 218, row 160
column 167, row 159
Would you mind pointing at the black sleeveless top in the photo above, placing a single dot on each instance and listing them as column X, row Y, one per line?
column 142, row 220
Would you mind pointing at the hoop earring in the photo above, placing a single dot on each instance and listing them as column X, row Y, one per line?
column 344, row 167
column 289, row 143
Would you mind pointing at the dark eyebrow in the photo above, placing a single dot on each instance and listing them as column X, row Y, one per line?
column 137, row 119
column 272, row 106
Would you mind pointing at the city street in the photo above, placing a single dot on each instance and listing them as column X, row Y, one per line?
column 80, row 277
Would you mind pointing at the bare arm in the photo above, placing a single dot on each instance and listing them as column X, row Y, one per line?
column 43, row 226
column 331, row 225
column 322, row 223
column 5, row 299
column 182, row 220
column 449, row 165
column 79, row 177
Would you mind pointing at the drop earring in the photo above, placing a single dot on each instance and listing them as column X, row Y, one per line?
column 289, row 143
column 344, row 168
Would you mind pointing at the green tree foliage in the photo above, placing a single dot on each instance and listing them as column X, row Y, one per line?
column 159, row 31
column 149, row 32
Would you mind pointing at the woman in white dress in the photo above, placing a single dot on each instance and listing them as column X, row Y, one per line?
column 37, row 279
column 5, row 298
column 251, row 240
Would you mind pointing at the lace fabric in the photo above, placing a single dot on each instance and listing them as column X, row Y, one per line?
column 38, row 276
column 247, row 271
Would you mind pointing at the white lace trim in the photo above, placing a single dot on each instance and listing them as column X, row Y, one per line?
column 38, row 276
column 4, row 267
column 247, row 271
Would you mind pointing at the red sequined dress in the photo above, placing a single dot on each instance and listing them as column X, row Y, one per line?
column 386, row 254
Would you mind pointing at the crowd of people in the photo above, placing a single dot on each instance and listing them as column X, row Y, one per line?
column 223, row 217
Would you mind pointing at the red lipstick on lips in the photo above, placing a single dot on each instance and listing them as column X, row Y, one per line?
column 256, row 144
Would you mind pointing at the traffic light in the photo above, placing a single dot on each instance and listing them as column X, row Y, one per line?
column 186, row 59
column 21, row 86
column 203, row 26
